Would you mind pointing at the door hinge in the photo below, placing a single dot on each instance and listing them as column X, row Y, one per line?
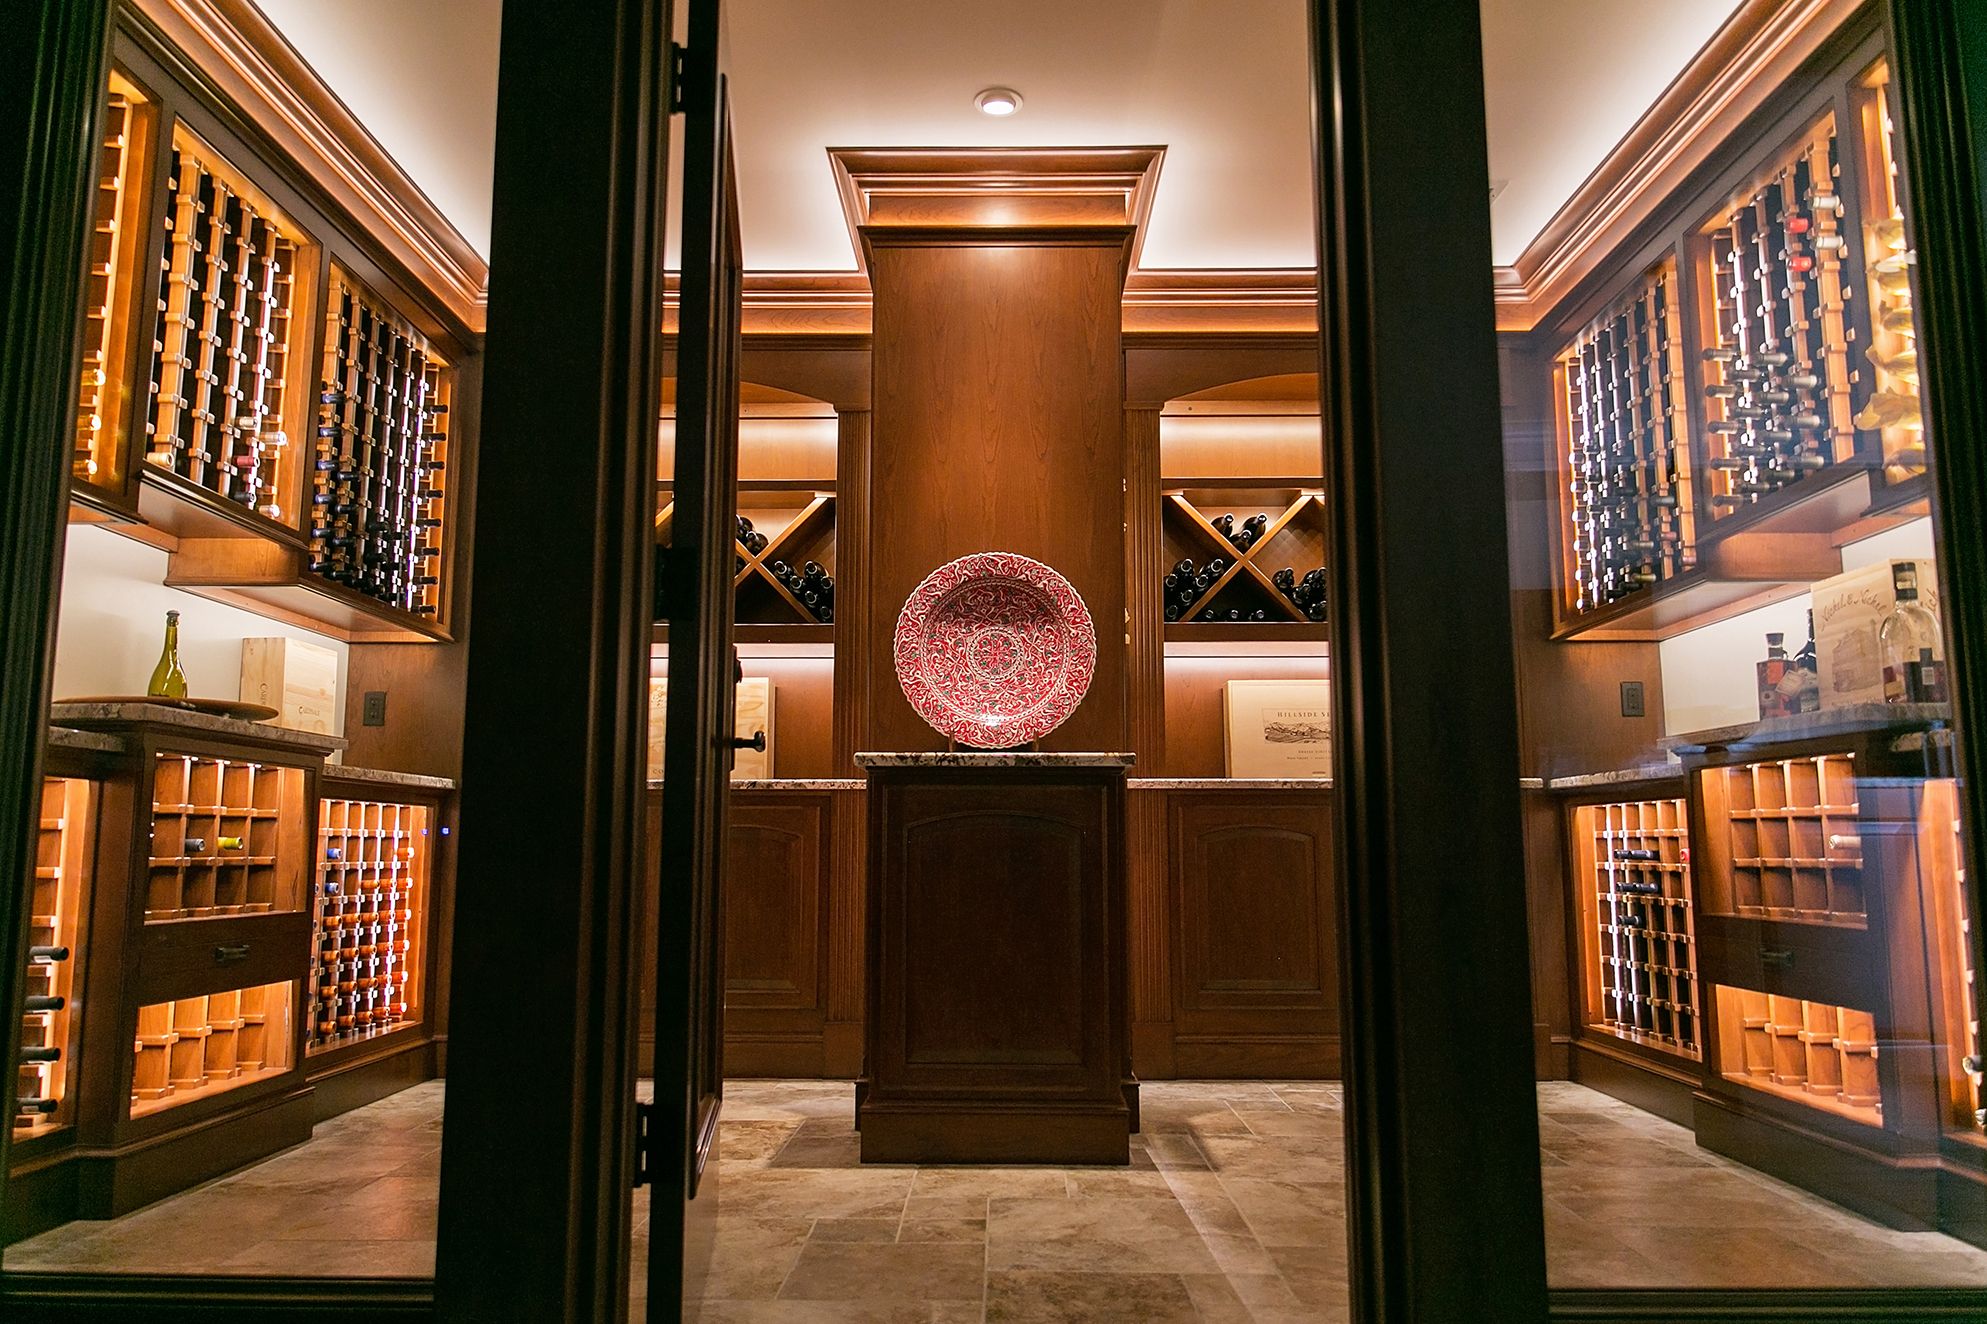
column 644, row 1116
column 678, row 55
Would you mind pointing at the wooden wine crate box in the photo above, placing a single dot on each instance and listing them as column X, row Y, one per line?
column 298, row 679
column 1849, row 610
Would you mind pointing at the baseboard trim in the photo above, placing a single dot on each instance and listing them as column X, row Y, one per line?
column 58, row 1298
column 1845, row 1305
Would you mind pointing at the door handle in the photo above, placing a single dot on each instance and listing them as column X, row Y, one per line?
column 229, row 955
column 757, row 742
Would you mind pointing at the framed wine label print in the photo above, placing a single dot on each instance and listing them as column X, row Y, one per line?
column 1278, row 728
column 754, row 714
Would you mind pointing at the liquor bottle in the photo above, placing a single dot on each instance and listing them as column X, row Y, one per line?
column 1769, row 674
column 1914, row 655
column 168, row 679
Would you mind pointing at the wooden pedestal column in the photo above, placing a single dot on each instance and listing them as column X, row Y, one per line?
column 997, row 985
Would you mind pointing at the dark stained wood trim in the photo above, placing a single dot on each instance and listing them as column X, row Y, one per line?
column 1145, row 551
column 1837, row 1305
column 59, row 1298
column 852, row 581
column 1404, row 224
column 52, row 69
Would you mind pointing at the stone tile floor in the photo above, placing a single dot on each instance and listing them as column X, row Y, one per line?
column 1232, row 1209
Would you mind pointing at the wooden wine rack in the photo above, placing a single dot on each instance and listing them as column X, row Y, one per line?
column 1892, row 409
column 1639, row 937
column 1626, row 496
column 224, row 838
column 369, row 913
column 192, row 1048
column 220, row 404
column 116, row 252
column 1773, row 303
column 55, row 904
column 1808, row 1052
column 378, row 499
column 1784, row 842
column 797, row 524
column 1243, row 591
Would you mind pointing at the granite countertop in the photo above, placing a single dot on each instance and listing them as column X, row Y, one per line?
column 91, row 715
column 96, row 742
column 1858, row 717
column 784, row 783
column 994, row 759
column 1647, row 772
column 1230, row 783
column 383, row 777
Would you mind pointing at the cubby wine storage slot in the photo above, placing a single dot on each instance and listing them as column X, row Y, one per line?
column 191, row 1048
column 1773, row 302
column 225, row 834
column 1783, row 841
column 117, row 248
column 369, row 917
column 1639, row 939
column 379, row 468
column 1243, row 553
column 1891, row 408
column 228, row 336
column 1808, row 1052
column 57, row 897
column 1626, row 494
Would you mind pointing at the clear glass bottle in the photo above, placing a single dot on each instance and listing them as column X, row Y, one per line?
column 1913, row 652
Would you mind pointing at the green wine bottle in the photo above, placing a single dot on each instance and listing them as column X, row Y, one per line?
column 168, row 681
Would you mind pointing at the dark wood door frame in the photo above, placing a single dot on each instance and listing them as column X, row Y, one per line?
column 1442, row 1180
column 538, row 1159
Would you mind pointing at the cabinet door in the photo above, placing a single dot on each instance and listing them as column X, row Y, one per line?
column 1254, row 945
column 774, row 934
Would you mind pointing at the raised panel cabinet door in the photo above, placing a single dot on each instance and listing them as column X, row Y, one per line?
column 772, row 908
column 1254, row 941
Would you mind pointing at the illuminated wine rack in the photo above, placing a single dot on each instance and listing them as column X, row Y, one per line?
column 379, row 466
column 1784, row 841
column 222, row 838
column 1627, row 496
column 116, row 248
column 55, row 901
column 1891, row 410
column 1640, row 941
column 219, row 407
column 1809, row 1052
column 191, row 1048
column 372, row 885
column 1243, row 553
column 1776, row 330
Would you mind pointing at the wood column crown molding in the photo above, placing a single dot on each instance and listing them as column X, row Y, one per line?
column 1124, row 237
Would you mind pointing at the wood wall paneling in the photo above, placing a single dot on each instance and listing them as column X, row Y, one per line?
column 1145, row 550
column 775, row 934
column 998, row 426
column 1255, row 937
column 1149, row 914
column 853, row 659
column 1195, row 725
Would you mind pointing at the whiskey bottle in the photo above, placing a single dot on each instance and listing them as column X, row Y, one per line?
column 1913, row 653
column 168, row 679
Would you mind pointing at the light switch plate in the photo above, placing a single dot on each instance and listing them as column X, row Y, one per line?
column 1632, row 702
column 374, row 711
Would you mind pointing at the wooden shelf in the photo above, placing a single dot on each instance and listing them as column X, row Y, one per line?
column 1184, row 632
column 798, row 633
column 273, row 579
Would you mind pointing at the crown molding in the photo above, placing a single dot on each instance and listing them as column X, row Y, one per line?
column 1746, row 60
column 252, row 64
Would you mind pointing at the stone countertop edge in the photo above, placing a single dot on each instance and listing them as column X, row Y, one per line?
column 89, row 715
column 784, row 783
column 386, row 777
column 1229, row 783
column 98, row 742
column 1855, row 717
column 1648, row 772
column 994, row 759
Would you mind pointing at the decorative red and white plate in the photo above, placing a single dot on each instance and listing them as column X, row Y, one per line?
column 995, row 650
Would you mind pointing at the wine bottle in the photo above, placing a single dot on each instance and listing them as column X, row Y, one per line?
column 48, row 955
column 168, row 679
column 39, row 1107
column 193, row 846
column 43, row 1002
column 1768, row 674
column 40, row 1055
column 1913, row 652
column 1638, row 855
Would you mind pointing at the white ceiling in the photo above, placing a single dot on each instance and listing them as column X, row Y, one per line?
column 1221, row 85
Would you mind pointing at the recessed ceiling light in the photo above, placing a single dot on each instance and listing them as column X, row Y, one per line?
column 998, row 101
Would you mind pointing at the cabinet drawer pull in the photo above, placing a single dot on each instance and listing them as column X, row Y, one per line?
column 230, row 954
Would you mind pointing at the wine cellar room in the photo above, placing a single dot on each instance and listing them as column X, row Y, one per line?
column 1031, row 523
